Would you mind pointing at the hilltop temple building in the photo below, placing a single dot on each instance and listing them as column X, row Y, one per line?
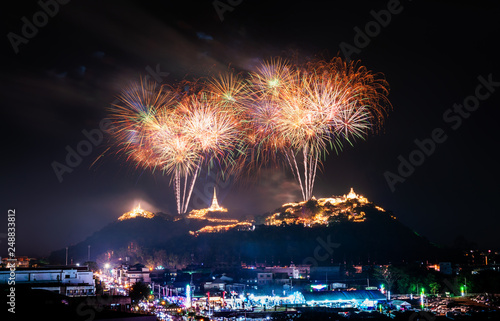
column 136, row 212
column 215, row 205
column 201, row 214
column 210, row 214
column 330, row 209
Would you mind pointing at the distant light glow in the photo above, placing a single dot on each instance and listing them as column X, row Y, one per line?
column 188, row 296
column 319, row 287
column 136, row 212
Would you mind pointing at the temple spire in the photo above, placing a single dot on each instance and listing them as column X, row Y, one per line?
column 215, row 205
column 352, row 194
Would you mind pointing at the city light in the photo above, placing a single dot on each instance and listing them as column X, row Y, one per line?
column 188, row 296
column 422, row 299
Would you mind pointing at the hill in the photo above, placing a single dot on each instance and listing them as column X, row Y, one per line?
column 346, row 229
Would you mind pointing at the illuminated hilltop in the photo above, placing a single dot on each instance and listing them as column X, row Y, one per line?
column 321, row 211
column 136, row 212
column 203, row 214
column 315, row 212
column 210, row 214
column 338, row 219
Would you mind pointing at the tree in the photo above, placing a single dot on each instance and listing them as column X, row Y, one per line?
column 388, row 274
column 92, row 266
column 160, row 258
column 139, row 290
column 99, row 290
column 350, row 270
column 405, row 283
column 434, row 287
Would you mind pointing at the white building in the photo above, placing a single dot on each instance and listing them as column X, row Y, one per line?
column 293, row 271
column 139, row 275
column 129, row 275
column 264, row 278
column 70, row 281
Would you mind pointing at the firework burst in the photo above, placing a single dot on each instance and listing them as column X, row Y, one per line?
column 303, row 110
column 178, row 132
column 293, row 114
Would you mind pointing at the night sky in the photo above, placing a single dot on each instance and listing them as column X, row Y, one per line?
column 63, row 77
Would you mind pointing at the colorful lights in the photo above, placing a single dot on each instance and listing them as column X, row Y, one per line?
column 188, row 296
column 319, row 287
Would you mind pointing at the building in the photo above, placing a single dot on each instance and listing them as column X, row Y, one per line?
column 215, row 285
column 293, row 271
column 236, row 288
column 204, row 213
column 20, row 261
column 344, row 298
column 129, row 275
column 335, row 208
column 248, row 277
column 215, row 207
column 219, row 218
column 138, row 274
column 445, row 268
column 264, row 278
column 67, row 280
column 324, row 273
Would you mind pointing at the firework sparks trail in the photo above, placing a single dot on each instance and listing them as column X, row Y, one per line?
column 316, row 105
column 283, row 112
column 178, row 132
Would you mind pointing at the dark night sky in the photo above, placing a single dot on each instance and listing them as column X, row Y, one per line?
column 63, row 78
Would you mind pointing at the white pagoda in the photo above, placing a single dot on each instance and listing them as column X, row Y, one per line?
column 215, row 207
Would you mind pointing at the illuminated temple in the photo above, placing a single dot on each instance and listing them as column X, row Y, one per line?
column 136, row 212
column 322, row 211
column 210, row 214
column 203, row 214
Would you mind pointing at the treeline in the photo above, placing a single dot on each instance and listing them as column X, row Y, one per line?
column 413, row 278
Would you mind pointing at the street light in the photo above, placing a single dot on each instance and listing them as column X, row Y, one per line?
column 422, row 298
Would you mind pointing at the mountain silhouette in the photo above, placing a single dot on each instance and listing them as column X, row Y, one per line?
column 314, row 232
